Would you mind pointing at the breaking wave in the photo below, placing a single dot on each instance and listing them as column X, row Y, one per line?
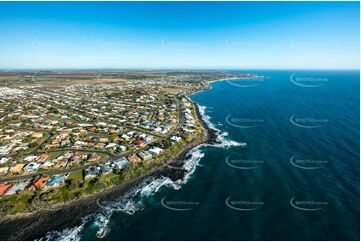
column 191, row 163
column 133, row 200
column 130, row 202
column 222, row 140
column 68, row 234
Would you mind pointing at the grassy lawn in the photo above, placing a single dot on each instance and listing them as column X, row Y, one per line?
column 75, row 186
column 54, row 155
column 76, row 176
column 15, row 203
column 103, row 157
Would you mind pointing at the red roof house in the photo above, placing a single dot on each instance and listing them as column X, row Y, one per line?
column 38, row 183
column 138, row 142
column 4, row 187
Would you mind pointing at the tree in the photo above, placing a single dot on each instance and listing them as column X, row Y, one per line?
column 33, row 145
column 94, row 181
column 167, row 143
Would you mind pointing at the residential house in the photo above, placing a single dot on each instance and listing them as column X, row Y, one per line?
column 37, row 135
column 145, row 155
column 42, row 158
column 121, row 163
column 49, row 146
column 60, row 163
column 102, row 124
column 47, row 165
column 4, row 170
column 100, row 145
column 103, row 140
column 79, row 143
column 138, row 142
column 155, row 151
column 30, row 158
column 65, row 142
column 19, row 186
column 91, row 171
column 4, row 160
column 67, row 155
column 175, row 138
column 133, row 158
column 31, row 167
column 105, row 169
column 125, row 136
column 17, row 169
column 131, row 133
column 148, row 138
column 4, row 187
column 38, row 183
column 4, row 150
column 111, row 145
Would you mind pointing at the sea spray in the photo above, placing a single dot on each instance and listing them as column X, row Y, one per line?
column 132, row 201
column 68, row 234
column 221, row 139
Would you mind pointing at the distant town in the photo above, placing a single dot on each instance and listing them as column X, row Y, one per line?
column 65, row 135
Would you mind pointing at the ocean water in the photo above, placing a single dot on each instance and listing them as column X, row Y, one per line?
column 287, row 168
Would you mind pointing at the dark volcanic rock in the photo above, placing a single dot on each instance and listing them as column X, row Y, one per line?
column 35, row 225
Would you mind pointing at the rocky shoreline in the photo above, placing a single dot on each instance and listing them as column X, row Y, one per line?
column 35, row 225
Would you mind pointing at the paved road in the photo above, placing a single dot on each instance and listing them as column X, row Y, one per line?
column 111, row 155
column 70, row 170
column 80, row 168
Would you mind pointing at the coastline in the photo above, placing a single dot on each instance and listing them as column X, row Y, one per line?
column 237, row 78
column 225, row 79
column 35, row 225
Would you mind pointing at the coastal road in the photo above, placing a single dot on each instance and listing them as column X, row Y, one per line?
column 111, row 155
column 80, row 168
column 70, row 170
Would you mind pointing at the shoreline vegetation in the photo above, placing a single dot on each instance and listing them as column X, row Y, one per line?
column 34, row 225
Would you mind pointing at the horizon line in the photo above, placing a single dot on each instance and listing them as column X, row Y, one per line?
column 168, row 68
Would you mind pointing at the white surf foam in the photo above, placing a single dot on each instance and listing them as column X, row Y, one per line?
column 132, row 201
column 68, row 234
column 191, row 163
column 222, row 140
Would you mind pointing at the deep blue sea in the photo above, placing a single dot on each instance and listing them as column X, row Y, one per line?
column 297, row 177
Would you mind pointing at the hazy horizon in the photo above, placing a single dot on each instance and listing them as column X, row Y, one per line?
column 169, row 69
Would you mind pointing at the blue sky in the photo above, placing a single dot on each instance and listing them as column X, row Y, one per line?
column 240, row 35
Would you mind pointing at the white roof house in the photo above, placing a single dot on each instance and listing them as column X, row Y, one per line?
column 121, row 163
column 92, row 171
column 31, row 167
column 175, row 138
column 111, row 145
column 30, row 158
column 4, row 170
column 155, row 151
column 4, row 160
